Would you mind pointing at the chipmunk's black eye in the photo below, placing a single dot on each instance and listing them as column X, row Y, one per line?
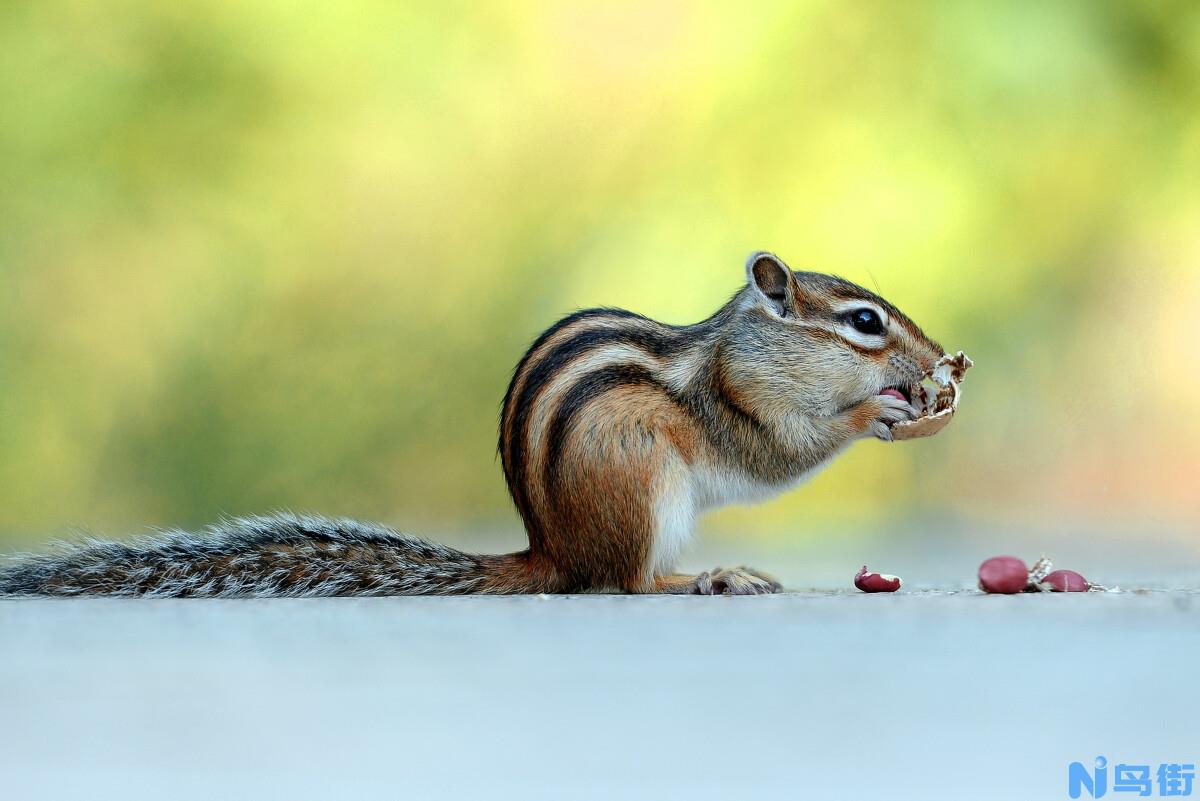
column 866, row 321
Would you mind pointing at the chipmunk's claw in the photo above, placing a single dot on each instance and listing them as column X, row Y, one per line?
column 738, row 581
column 894, row 408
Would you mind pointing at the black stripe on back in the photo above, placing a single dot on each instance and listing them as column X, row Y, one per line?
column 541, row 340
column 657, row 343
column 504, row 447
column 586, row 390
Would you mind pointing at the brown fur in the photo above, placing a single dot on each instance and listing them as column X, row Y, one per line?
column 768, row 388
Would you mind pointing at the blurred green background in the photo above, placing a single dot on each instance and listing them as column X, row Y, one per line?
column 275, row 254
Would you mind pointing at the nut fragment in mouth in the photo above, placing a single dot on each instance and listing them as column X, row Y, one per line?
column 937, row 402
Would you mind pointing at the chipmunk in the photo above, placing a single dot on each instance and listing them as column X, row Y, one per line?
column 615, row 433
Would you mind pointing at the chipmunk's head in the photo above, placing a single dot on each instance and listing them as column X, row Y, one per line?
column 822, row 343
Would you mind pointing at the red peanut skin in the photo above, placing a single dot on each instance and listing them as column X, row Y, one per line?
column 1065, row 581
column 875, row 582
column 1004, row 575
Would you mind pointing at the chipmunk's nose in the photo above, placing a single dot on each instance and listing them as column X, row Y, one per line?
column 928, row 355
column 907, row 369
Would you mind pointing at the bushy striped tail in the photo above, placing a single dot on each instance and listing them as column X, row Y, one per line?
column 277, row 555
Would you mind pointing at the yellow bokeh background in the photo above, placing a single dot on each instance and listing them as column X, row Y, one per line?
column 264, row 255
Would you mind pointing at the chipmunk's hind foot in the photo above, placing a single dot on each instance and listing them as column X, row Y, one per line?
column 736, row 581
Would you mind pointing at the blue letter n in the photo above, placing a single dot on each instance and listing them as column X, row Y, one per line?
column 1079, row 779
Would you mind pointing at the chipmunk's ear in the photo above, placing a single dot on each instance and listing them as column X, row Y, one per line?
column 773, row 282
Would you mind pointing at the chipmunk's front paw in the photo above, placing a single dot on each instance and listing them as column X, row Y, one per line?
column 884, row 410
column 739, row 581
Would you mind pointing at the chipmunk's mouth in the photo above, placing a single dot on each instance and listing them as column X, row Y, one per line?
column 904, row 393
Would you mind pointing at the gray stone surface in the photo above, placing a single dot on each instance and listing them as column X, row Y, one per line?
column 829, row 695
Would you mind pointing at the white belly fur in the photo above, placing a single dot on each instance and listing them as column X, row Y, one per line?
column 689, row 491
